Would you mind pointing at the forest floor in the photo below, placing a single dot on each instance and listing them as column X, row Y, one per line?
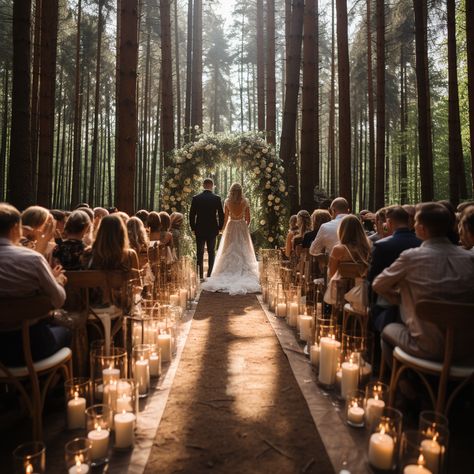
column 235, row 405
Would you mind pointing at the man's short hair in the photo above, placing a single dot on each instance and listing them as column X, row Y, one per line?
column 9, row 217
column 208, row 182
column 435, row 217
column 340, row 204
column 397, row 214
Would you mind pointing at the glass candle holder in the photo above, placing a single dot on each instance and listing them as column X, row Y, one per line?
column 329, row 352
column 376, row 398
column 155, row 361
column 77, row 454
column 384, row 440
column 355, row 413
column 350, row 373
column 107, row 368
column 165, row 344
column 280, row 305
column 127, row 396
column 141, row 368
column 433, row 426
column 431, row 421
column 30, row 458
column 78, row 397
column 325, row 327
column 99, row 421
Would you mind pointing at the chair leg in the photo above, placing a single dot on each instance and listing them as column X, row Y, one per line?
column 382, row 368
column 393, row 381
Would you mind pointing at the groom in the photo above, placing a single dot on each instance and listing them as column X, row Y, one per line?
column 206, row 218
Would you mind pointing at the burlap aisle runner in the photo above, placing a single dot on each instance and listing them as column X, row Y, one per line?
column 235, row 406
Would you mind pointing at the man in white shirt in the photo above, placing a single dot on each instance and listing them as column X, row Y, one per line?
column 24, row 273
column 326, row 237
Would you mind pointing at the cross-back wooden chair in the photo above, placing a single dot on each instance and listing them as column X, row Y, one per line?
column 20, row 313
column 456, row 321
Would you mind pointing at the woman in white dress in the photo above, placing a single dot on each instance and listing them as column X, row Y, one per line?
column 235, row 269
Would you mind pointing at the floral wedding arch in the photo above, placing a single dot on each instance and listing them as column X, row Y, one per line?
column 247, row 150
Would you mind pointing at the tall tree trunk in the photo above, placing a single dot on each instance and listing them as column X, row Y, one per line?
column 331, row 169
column 127, row 107
column 156, row 148
column 76, row 160
column 60, row 121
column 189, row 68
column 20, row 183
column 178, row 76
column 196, row 102
column 145, row 119
column 457, row 178
column 288, row 134
column 3, row 140
column 403, row 131
column 425, row 143
column 380, row 150
column 370, row 100
column 470, row 75
column 95, row 133
column 344, row 102
column 35, row 93
column 260, row 68
column 86, row 144
column 310, row 102
column 167, row 117
column 270, row 122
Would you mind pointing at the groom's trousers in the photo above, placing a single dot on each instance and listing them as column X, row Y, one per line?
column 210, row 243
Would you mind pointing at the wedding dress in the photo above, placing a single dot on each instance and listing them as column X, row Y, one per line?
column 235, row 268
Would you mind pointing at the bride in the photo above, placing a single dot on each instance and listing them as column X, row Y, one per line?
column 235, row 269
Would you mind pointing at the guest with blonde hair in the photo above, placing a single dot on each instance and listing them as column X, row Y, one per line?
column 38, row 230
column 138, row 239
column 292, row 231
column 177, row 220
column 318, row 218
column 154, row 223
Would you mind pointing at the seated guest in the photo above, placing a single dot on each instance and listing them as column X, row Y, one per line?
column 124, row 216
column 411, row 210
column 293, row 229
column 318, row 218
column 353, row 245
column 112, row 210
column 138, row 239
column 38, row 230
column 381, row 230
column 453, row 235
column 166, row 237
column 89, row 237
column 435, row 270
column 69, row 252
column 384, row 253
column 154, row 223
column 99, row 214
column 303, row 222
column 176, row 223
column 60, row 218
column 327, row 237
column 466, row 228
column 25, row 273
column 367, row 219
column 142, row 214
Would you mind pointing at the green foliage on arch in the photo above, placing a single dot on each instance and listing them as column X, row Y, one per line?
column 249, row 150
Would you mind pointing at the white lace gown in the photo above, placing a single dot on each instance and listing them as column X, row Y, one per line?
column 235, row 268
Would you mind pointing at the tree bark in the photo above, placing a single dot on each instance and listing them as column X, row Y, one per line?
column 178, row 76
column 370, row 100
column 3, row 141
column 260, row 69
column 196, row 102
column 425, row 143
column 403, row 132
column 270, row 122
column 457, row 178
column 470, row 74
column 167, row 117
column 345, row 184
column 127, row 107
column 331, row 170
column 380, row 150
column 20, row 183
column 310, row 102
column 189, row 68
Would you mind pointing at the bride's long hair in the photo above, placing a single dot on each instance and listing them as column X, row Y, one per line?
column 235, row 193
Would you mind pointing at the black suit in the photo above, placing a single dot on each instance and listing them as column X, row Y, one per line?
column 206, row 218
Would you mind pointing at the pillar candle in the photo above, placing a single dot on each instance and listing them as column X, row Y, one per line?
column 155, row 365
column 100, row 443
column 110, row 375
column 142, row 375
column 110, row 394
column 124, row 426
column 164, row 343
column 381, row 447
column 314, row 355
column 293, row 314
column 373, row 409
column 123, row 388
column 281, row 310
column 305, row 327
column 76, row 417
column 431, row 450
column 79, row 468
column 124, row 403
column 174, row 299
column 355, row 414
column 350, row 378
column 328, row 358
column 183, row 298
column 417, row 468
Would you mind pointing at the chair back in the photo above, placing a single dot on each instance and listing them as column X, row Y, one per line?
column 15, row 311
column 352, row 270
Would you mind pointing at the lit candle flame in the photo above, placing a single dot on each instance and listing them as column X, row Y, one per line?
column 76, row 395
column 29, row 469
column 421, row 460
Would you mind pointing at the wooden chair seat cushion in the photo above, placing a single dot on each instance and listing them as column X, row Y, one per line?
column 42, row 365
column 457, row 371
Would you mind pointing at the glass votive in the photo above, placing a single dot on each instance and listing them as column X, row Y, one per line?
column 165, row 344
column 430, row 421
column 280, row 305
column 376, row 397
column 419, row 455
column 99, row 420
column 350, row 373
column 355, row 413
column 124, row 429
column 78, row 396
column 141, row 368
column 155, row 361
column 305, row 325
column 325, row 327
column 433, row 426
column 127, row 396
column 384, row 440
column 329, row 352
column 77, row 454
column 30, row 458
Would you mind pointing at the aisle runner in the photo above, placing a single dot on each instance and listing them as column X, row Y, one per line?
column 235, row 405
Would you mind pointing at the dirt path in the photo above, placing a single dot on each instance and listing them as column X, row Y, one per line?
column 235, row 406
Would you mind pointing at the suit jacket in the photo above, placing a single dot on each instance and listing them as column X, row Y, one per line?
column 386, row 251
column 206, row 216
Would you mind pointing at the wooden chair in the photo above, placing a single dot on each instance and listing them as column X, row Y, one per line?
column 456, row 322
column 19, row 313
